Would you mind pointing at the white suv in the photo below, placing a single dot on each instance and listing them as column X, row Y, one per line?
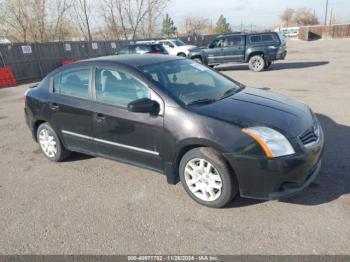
column 176, row 47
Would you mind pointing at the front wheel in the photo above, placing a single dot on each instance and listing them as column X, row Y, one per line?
column 50, row 144
column 207, row 178
column 257, row 63
column 182, row 55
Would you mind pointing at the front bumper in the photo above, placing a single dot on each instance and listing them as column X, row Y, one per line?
column 269, row 179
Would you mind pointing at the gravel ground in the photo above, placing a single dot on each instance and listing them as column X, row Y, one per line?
column 94, row 206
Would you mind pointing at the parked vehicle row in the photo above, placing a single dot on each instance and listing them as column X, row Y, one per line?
column 259, row 50
column 178, row 117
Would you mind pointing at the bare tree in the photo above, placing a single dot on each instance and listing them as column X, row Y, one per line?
column 305, row 16
column 133, row 18
column 194, row 25
column 14, row 14
column 287, row 16
column 82, row 17
column 59, row 30
column 300, row 17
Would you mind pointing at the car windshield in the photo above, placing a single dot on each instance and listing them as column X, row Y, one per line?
column 190, row 82
column 178, row 42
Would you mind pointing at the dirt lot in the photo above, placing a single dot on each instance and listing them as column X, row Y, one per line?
column 95, row 206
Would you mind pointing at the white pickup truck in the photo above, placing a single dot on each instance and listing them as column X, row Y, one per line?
column 176, row 47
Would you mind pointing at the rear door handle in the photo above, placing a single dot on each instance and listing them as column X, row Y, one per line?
column 54, row 106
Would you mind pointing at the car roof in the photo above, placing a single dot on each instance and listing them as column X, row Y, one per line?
column 133, row 60
column 238, row 33
column 148, row 43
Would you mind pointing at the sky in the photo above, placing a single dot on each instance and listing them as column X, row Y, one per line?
column 259, row 13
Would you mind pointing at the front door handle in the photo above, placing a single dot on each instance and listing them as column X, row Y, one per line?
column 100, row 117
column 54, row 106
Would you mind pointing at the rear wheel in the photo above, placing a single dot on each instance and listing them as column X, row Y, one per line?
column 257, row 63
column 207, row 178
column 50, row 144
column 182, row 54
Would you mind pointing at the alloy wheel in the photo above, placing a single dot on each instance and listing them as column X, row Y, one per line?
column 48, row 143
column 203, row 179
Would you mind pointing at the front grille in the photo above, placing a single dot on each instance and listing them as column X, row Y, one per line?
column 310, row 136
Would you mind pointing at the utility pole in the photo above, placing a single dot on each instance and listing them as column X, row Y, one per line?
column 326, row 13
column 331, row 17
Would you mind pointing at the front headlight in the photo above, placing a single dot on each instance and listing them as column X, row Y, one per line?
column 273, row 143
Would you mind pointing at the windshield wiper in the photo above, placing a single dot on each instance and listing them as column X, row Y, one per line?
column 228, row 93
column 202, row 101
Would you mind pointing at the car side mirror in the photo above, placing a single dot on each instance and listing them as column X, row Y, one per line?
column 171, row 46
column 144, row 105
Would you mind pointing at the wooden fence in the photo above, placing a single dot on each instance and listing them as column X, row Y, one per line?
column 308, row 33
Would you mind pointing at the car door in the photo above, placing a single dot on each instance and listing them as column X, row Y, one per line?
column 215, row 51
column 233, row 50
column 119, row 134
column 70, row 107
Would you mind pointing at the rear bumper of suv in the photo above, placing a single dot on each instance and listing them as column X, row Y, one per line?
column 270, row 179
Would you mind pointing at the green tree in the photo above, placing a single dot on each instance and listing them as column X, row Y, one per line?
column 168, row 26
column 222, row 26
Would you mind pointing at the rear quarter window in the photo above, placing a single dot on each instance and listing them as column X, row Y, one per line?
column 267, row 38
column 255, row 39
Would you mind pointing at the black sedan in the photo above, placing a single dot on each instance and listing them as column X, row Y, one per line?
column 180, row 118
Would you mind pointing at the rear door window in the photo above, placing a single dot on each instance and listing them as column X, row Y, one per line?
column 233, row 40
column 73, row 82
column 255, row 38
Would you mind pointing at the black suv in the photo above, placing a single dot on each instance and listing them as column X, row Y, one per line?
column 141, row 49
column 258, row 49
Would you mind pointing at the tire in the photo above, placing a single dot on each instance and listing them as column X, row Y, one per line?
column 57, row 152
column 267, row 64
column 257, row 63
column 182, row 55
column 211, row 66
column 198, row 60
column 215, row 171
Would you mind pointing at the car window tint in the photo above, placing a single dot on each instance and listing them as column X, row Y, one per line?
column 124, row 50
column 267, row 38
column 118, row 88
column 188, row 80
column 73, row 82
column 217, row 43
column 142, row 49
column 159, row 48
column 233, row 40
column 255, row 39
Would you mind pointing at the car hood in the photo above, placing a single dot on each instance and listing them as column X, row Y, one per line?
column 187, row 47
column 253, row 107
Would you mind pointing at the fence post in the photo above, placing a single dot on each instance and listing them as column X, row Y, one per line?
column 2, row 59
column 38, row 60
